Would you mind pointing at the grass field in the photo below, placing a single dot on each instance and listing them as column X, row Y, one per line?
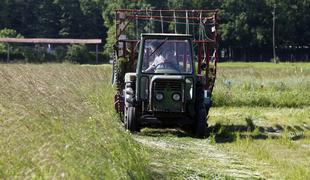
column 263, row 84
column 57, row 121
column 259, row 128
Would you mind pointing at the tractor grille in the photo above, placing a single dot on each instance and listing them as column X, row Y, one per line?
column 173, row 85
column 168, row 88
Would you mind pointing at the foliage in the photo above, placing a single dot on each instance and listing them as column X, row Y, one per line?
column 78, row 54
column 123, row 68
column 245, row 24
column 49, row 18
column 8, row 33
column 249, row 23
column 292, row 22
column 37, row 55
column 60, row 53
column 246, row 21
column 109, row 7
column 110, row 41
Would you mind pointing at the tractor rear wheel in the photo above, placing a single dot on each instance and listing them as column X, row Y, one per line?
column 201, row 114
column 201, row 123
column 131, row 122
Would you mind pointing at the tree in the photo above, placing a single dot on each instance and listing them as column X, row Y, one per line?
column 48, row 14
column 245, row 23
column 4, row 14
column 293, row 22
column 92, row 25
column 109, row 7
column 22, row 16
column 8, row 33
column 70, row 16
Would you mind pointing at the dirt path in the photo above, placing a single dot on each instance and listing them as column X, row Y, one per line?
column 190, row 158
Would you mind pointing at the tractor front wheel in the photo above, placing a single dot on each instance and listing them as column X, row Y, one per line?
column 131, row 122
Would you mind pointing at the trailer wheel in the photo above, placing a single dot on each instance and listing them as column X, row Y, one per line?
column 131, row 122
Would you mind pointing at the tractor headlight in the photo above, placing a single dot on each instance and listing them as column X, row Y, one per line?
column 176, row 97
column 159, row 96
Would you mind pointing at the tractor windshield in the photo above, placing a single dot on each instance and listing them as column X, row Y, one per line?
column 167, row 56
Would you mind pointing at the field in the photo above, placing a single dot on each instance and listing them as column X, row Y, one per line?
column 57, row 121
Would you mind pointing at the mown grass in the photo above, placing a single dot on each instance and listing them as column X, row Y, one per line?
column 263, row 115
column 259, row 128
column 57, row 121
column 263, row 85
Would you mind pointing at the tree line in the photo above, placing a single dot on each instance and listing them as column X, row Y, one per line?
column 244, row 24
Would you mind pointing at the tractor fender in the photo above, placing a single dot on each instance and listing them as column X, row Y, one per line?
column 130, row 77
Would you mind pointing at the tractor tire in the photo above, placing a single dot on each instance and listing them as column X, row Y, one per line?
column 201, row 123
column 131, row 122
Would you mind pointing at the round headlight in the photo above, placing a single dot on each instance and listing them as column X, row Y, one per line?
column 159, row 96
column 176, row 97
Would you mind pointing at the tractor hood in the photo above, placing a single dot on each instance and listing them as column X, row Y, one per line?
column 167, row 80
column 168, row 77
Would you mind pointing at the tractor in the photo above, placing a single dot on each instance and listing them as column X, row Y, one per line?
column 165, row 79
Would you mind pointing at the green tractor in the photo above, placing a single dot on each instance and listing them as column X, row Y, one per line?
column 162, row 81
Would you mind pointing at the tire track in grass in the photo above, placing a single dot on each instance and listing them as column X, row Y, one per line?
column 186, row 157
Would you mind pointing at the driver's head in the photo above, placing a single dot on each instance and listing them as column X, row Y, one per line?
column 154, row 45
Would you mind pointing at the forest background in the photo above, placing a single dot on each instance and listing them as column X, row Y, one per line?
column 245, row 25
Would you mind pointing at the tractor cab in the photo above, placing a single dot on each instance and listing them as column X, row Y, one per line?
column 166, row 54
column 165, row 73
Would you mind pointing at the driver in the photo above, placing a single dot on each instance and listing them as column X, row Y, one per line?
column 159, row 58
column 160, row 61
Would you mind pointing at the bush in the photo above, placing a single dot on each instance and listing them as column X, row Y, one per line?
column 60, row 53
column 38, row 55
column 9, row 33
column 13, row 56
column 123, row 67
column 78, row 53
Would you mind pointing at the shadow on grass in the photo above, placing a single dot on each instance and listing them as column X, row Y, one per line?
column 173, row 132
column 229, row 133
column 224, row 133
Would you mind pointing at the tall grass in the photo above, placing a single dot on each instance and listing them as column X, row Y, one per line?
column 263, row 84
column 57, row 121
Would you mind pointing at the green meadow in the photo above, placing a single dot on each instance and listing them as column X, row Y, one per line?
column 57, row 121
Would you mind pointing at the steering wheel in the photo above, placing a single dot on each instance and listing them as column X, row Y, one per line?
column 167, row 65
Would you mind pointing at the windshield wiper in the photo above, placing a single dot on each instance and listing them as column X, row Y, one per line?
column 158, row 47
